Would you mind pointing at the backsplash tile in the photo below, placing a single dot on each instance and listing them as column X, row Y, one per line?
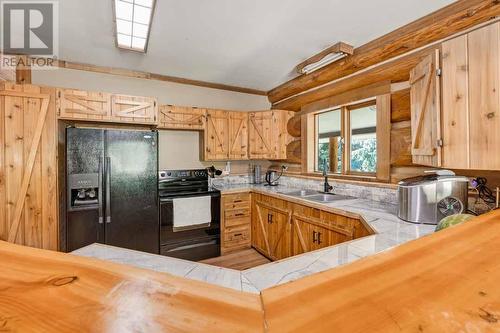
column 380, row 194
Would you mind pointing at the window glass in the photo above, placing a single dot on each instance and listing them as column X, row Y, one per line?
column 329, row 140
column 363, row 155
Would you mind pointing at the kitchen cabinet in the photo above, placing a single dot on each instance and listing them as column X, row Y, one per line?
column 462, row 131
column 238, row 136
column 235, row 222
column 134, row 109
column 272, row 230
column 226, row 136
column 268, row 134
column 29, row 207
column 216, row 136
column 105, row 107
column 484, row 97
column 425, row 112
column 281, row 229
column 83, row 105
column 181, row 118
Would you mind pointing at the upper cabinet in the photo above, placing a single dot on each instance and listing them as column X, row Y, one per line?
column 216, row 136
column 238, row 136
column 268, row 134
column 425, row 113
column 84, row 105
column 181, row 118
column 134, row 109
column 463, row 133
column 98, row 106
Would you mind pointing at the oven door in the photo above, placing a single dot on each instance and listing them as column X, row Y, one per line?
column 196, row 244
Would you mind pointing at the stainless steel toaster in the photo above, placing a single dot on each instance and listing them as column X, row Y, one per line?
column 429, row 198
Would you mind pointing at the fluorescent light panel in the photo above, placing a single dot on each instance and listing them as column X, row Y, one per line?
column 133, row 23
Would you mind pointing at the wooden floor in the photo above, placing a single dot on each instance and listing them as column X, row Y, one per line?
column 241, row 260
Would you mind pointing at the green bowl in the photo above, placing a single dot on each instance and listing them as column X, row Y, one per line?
column 452, row 220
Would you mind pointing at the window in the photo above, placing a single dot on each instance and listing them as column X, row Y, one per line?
column 346, row 139
column 133, row 23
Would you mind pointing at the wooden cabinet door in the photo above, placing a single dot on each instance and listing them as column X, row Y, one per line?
column 83, row 105
column 281, row 138
column 238, row 136
column 28, row 166
column 181, row 117
column 300, row 241
column 260, row 222
column 216, row 136
column 261, row 134
column 484, row 97
column 278, row 233
column 455, row 103
column 425, row 112
column 134, row 109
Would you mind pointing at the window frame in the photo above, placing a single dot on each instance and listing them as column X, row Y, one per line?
column 345, row 131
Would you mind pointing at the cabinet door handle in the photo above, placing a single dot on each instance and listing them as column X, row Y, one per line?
column 270, row 218
column 238, row 235
column 239, row 214
column 319, row 238
column 314, row 236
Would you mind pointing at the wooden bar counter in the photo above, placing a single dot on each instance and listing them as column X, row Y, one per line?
column 446, row 282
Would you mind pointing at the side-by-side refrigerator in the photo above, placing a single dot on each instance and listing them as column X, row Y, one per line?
column 112, row 184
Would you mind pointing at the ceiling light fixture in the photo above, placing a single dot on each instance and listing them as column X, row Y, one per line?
column 133, row 20
column 325, row 57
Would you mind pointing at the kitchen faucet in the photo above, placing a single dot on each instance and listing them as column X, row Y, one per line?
column 327, row 188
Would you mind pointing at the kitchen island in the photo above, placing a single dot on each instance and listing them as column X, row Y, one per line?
column 444, row 282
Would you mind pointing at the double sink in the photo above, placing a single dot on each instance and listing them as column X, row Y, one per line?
column 317, row 196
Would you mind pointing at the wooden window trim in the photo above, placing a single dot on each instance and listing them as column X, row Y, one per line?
column 383, row 121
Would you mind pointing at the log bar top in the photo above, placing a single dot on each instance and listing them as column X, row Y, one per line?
column 445, row 282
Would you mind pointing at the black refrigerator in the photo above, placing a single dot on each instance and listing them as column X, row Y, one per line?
column 112, row 184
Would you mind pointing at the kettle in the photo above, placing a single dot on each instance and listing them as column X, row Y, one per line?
column 272, row 178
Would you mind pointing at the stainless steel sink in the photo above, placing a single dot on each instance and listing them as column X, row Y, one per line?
column 328, row 197
column 300, row 194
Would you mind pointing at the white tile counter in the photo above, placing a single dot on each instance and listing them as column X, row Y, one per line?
column 382, row 217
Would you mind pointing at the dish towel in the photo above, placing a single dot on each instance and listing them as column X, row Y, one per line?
column 192, row 213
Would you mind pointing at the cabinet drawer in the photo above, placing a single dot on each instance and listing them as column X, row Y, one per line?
column 235, row 199
column 240, row 221
column 237, row 235
column 236, row 213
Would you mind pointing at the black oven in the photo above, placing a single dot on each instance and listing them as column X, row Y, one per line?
column 195, row 244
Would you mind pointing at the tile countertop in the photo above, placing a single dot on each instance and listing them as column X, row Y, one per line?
column 381, row 217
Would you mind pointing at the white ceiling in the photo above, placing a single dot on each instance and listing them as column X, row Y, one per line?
column 247, row 43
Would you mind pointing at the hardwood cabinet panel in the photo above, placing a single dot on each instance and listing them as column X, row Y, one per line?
column 134, row 109
column 83, row 105
column 278, row 233
column 181, row 117
column 261, row 135
column 28, row 166
column 235, row 222
column 455, row 99
column 238, row 136
column 216, row 137
column 425, row 112
column 260, row 216
column 484, row 76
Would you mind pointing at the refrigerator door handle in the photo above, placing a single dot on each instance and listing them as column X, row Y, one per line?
column 100, row 192
column 108, row 190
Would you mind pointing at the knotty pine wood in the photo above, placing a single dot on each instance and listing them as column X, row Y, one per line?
column 216, row 136
column 455, row 103
column 401, row 106
column 19, row 118
column 484, row 94
column 433, row 27
column 238, row 135
column 134, row 109
column 54, row 292
column 181, row 117
column 415, row 287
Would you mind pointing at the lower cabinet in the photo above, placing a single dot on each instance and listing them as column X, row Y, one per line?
column 235, row 223
column 281, row 229
column 271, row 228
